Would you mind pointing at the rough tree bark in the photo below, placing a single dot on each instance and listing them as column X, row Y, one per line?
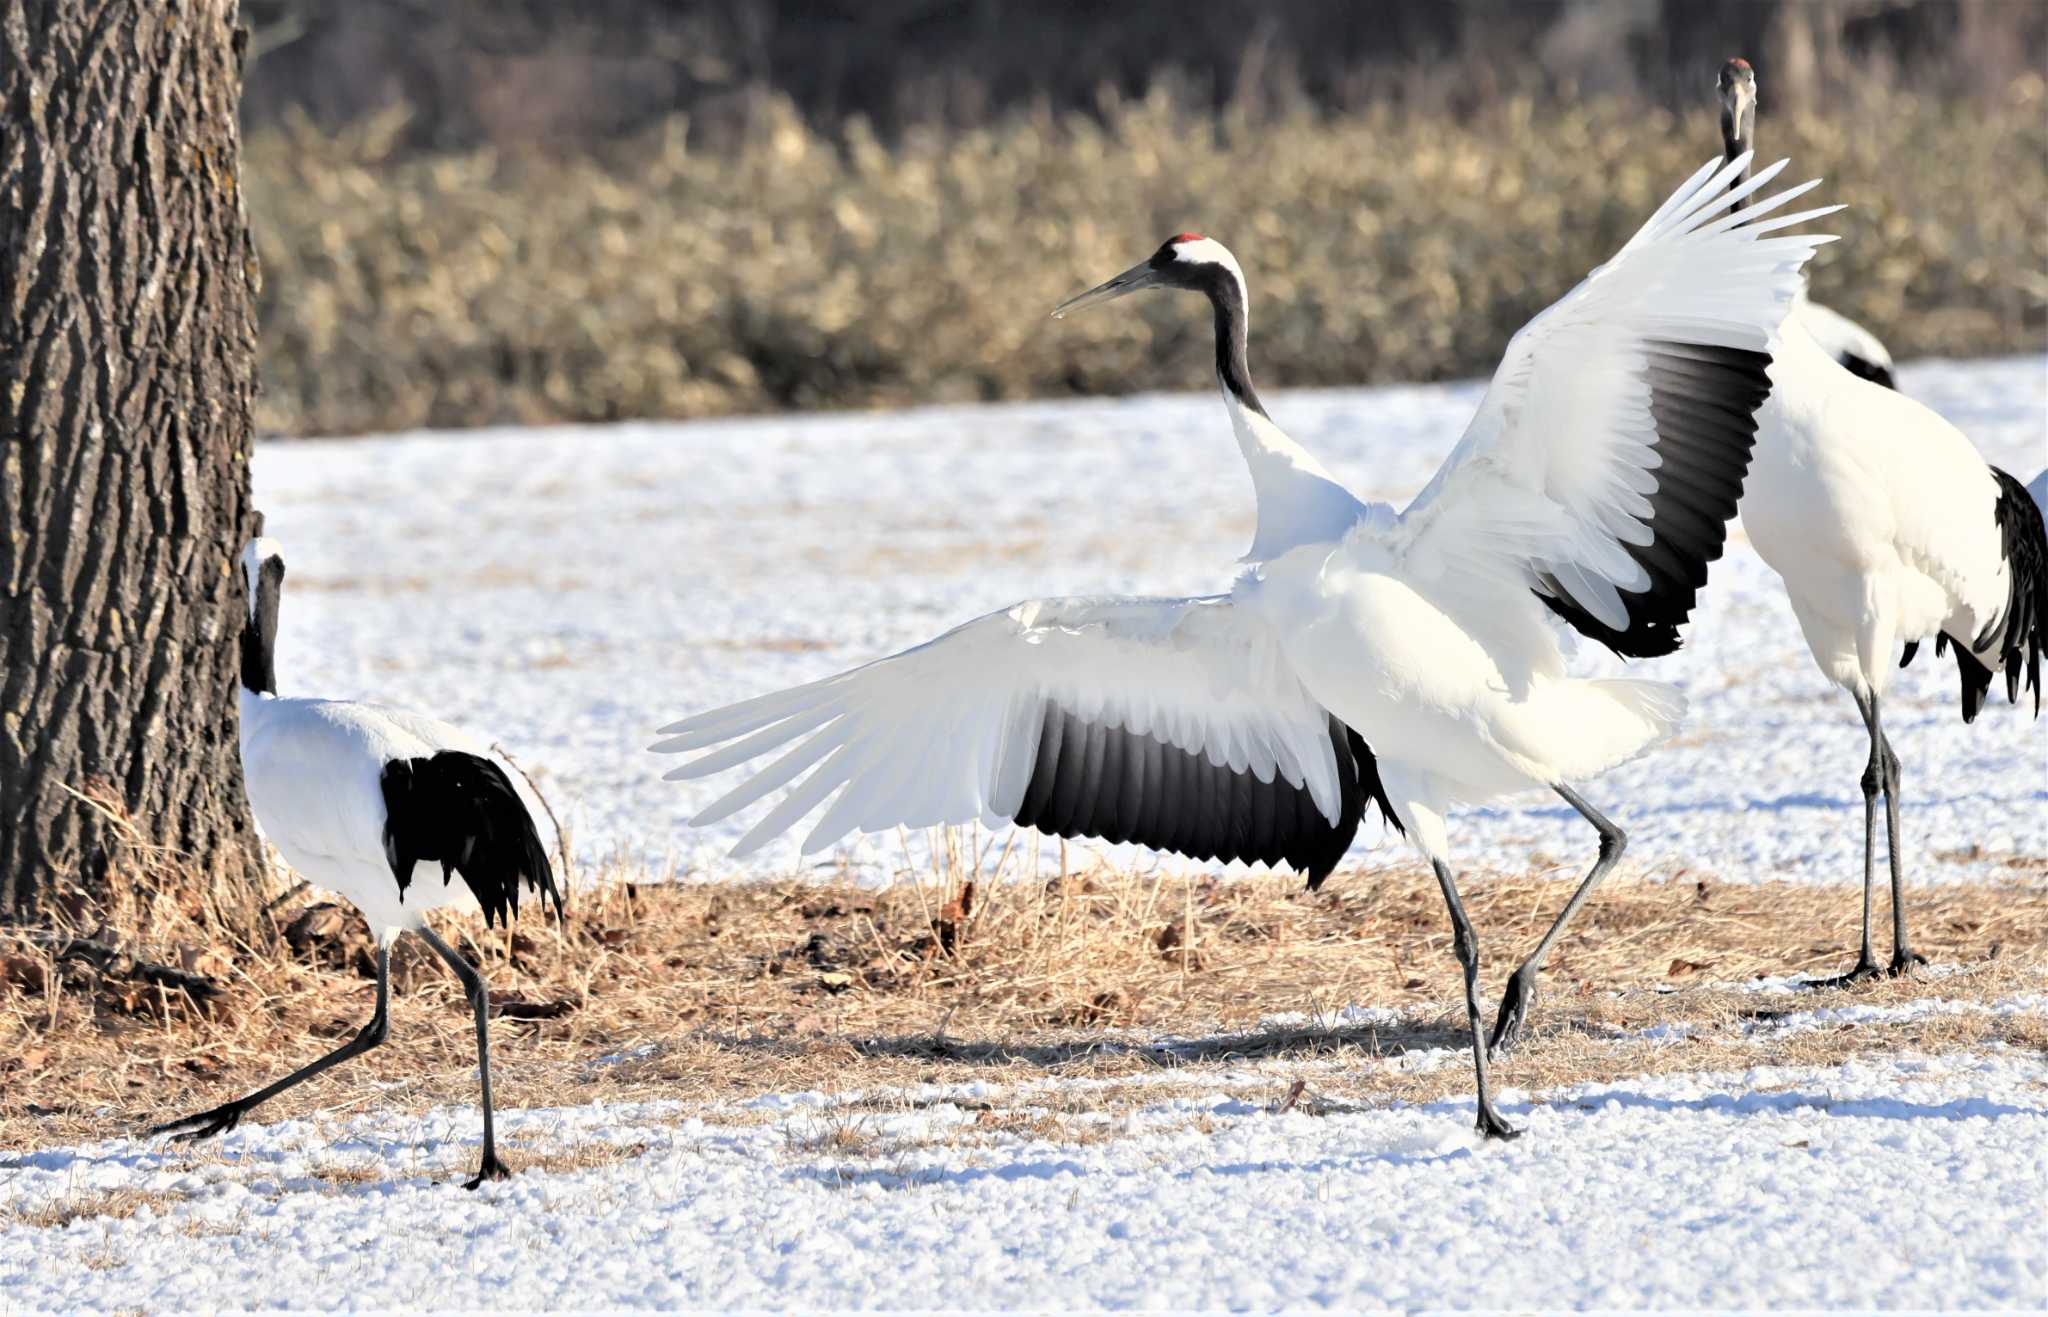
column 127, row 372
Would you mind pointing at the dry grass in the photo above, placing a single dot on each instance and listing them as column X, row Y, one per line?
column 804, row 270
column 118, row 1204
column 713, row 992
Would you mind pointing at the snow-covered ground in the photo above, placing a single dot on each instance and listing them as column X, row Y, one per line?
column 1895, row 1182
column 568, row 591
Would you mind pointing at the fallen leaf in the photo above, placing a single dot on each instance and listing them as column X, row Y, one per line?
column 23, row 973
column 31, row 1058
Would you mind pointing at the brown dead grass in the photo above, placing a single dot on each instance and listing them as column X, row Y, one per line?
column 117, row 1204
column 807, row 269
column 712, row 992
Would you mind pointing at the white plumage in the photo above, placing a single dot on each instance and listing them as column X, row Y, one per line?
column 1847, row 343
column 313, row 770
column 1888, row 529
column 948, row 732
column 386, row 808
column 1594, row 483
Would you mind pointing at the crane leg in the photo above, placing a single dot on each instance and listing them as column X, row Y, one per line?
column 480, row 1002
column 1520, row 997
column 1904, row 958
column 206, row 1124
column 1491, row 1124
column 1874, row 783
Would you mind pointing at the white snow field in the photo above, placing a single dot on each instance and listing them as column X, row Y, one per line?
column 568, row 591
column 1910, row 1183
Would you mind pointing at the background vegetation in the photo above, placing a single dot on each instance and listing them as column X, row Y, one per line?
column 684, row 209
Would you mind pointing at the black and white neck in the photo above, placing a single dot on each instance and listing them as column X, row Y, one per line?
column 1738, row 112
column 263, row 570
column 1297, row 499
column 1207, row 266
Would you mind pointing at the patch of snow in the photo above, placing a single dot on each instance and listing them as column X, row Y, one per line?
column 1789, row 1023
column 1901, row 1182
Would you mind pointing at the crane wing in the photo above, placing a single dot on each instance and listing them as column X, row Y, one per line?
column 1609, row 451
column 1173, row 723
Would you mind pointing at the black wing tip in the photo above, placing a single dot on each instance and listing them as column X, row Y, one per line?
column 1648, row 638
column 1090, row 780
column 462, row 810
column 1703, row 402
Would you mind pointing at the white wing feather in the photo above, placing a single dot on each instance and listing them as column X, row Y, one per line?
column 1554, row 472
column 947, row 732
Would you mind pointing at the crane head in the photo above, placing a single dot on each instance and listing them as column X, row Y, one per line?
column 1738, row 99
column 1186, row 260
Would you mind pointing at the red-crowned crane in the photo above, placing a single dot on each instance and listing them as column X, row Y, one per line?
column 1367, row 654
column 1889, row 529
column 384, row 808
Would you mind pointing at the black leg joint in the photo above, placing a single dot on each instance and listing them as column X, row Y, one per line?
column 1465, row 945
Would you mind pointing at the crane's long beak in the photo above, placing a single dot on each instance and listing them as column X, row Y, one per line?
column 1138, row 276
column 1738, row 107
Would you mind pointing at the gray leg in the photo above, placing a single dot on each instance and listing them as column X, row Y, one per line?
column 480, row 1002
column 1873, row 783
column 1903, row 955
column 206, row 1124
column 1520, row 996
column 1466, row 945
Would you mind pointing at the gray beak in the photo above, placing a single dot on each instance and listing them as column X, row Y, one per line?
column 1130, row 281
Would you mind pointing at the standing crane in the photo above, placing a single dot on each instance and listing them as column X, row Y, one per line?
column 1405, row 658
column 1888, row 529
column 367, row 801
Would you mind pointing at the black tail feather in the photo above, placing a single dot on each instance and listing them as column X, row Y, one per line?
column 2021, row 627
column 2024, row 626
column 1976, row 683
column 461, row 810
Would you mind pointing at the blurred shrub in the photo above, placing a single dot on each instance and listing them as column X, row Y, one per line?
column 803, row 271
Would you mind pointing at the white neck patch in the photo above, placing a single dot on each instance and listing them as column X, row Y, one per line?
column 254, row 554
column 1208, row 251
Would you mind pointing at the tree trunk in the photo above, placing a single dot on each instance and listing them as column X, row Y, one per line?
column 127, row 372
